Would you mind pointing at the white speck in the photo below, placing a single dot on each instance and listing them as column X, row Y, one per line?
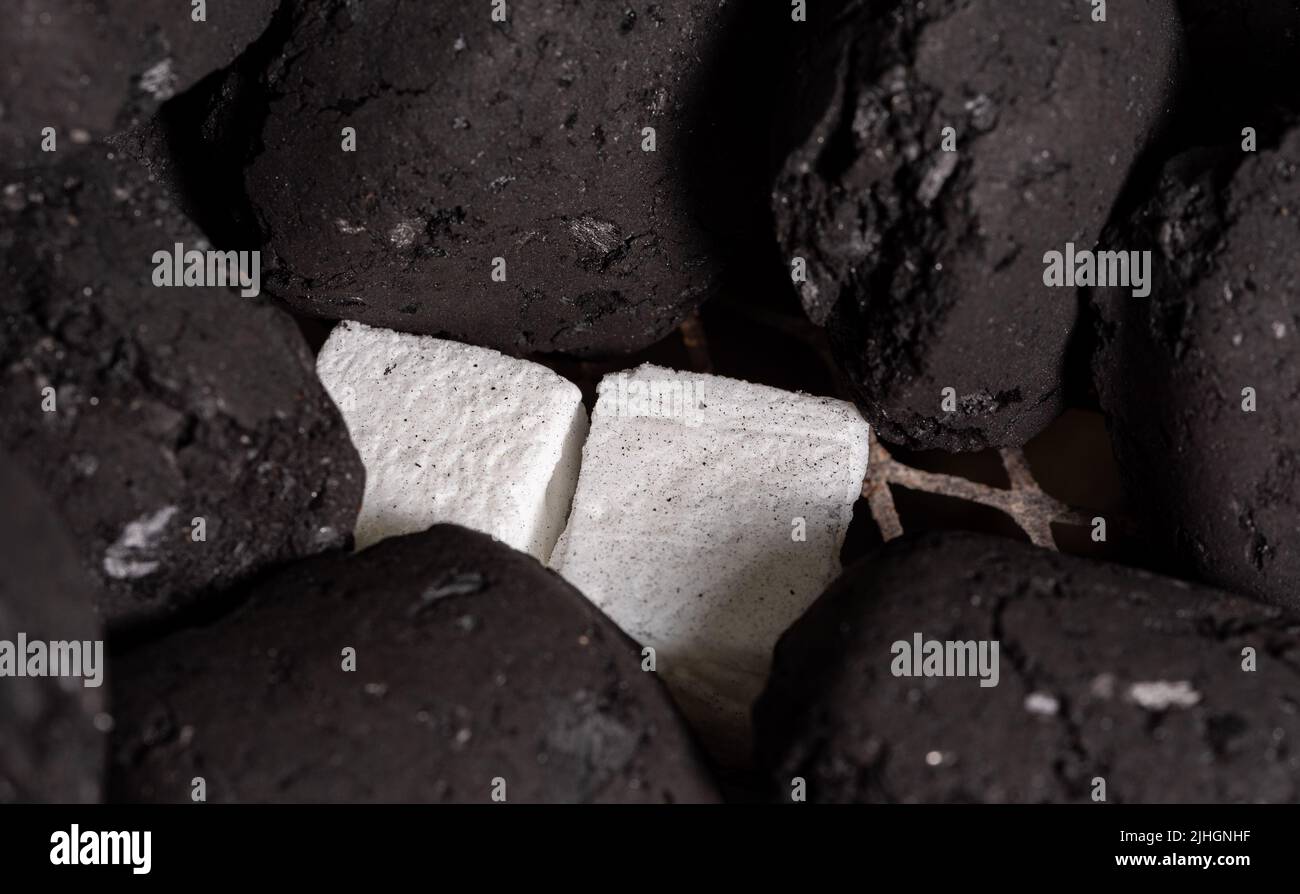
column 659, row 102
column 403, row 233
column 983, row 112
column 1279, row 330
column 379, row 690
column 159, row 81
column 463, row 735
column 1236, row 339
column 14, row 199
column 459, row 45
column 124, row 559
column 602, row 235
column 1042, row 703
column 103, row 722
column 1160, row 695
column 934, row 179
column 1103, row 686
column 79, row 136
column 348, row 229
column 933, row 758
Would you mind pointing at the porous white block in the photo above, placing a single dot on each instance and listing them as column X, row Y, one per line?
column 709, row 515
column 450, row 432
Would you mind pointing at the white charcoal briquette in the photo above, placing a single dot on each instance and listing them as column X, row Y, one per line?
column 450, row 432
column 709, row 514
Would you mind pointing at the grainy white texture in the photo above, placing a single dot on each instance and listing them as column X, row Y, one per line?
column 455, row 433
column 684, row 525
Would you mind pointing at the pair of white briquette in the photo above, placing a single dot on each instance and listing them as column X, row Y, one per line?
column 704, row 514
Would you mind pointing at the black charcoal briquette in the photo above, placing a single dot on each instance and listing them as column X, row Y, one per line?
column 1112, row 684
column 433, row 667
column 181, row 431
column 926, row 265
column 520, row 184
column 1200, row 380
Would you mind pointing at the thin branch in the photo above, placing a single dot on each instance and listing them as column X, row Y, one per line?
column 1033, row 511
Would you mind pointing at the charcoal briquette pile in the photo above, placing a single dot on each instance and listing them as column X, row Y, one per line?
column 674, row 402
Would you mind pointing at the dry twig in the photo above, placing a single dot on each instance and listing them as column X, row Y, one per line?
column 1033, row 511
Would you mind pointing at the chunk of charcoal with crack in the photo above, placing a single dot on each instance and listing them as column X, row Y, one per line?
column 477, row 140
column 1200, row 380
column 52, row 727
column 925, row 265
column 91, row 69
column 455, row 433
column 1110, row 682
column 476, row 673
column 181, row 431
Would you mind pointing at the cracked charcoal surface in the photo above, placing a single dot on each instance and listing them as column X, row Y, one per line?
column 472, row 662
column 478, row 140
column 1104, row 671
column 51, row 751
column 101, row 67
column 1216, row 487
column 172, row 404
column 926, row 266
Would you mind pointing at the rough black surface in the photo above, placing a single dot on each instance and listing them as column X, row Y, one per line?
column 473, row 663
column 1215, row 486
column 1075, row 634
column 172, row 403
column 477, row 140
column 926, row 265
column 91, row 69
column 50, row 750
